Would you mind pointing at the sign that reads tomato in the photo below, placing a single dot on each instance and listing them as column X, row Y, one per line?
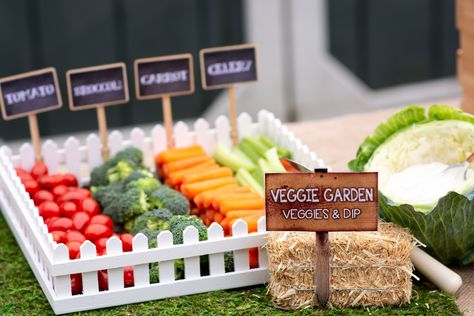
column 29, row 93
column 97, row 86
column 164, row 76
column 223, row 66
column 321, row 202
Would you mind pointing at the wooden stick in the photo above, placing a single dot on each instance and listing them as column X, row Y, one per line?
column 35, row 136
column 321, row 271
column 234, row 134
column 168, row 120
column 104, row 137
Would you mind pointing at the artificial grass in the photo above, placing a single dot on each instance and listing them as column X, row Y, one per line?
column 20, row 294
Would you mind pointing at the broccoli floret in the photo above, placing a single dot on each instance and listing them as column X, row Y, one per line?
column 145, row 184
column 168, row 198
column 108, row 193
column 120, row 171
column 151, row 235
column 156, row 220
column 132, row 154
column 178, row 224
column 127, row 205
column 229, row 261
column 178, row 270
column 137, row 174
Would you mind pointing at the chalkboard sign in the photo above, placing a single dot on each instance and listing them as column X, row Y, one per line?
column 223, row 66
column 97, row 86
column 29, row 93
column 164, row 76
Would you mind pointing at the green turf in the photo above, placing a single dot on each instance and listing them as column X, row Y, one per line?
column 20, row 294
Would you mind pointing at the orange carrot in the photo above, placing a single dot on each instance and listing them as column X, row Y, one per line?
column 216, row 202
column 207, row 175
column 210, row 214
column 200, row 198
column 194, row 211
column 192, row 189
column 253, row 258
column 176, row 177
column 174, row 154
column 210, row 197
column 235, row 205
column 170, row 167
column 225, row 225
column 203, row 217
column 218, row 217
column 251, row 221
column 207, row 221
column 239, row 214
column 288, row 166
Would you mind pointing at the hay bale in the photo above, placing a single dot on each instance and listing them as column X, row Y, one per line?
column 367, row 268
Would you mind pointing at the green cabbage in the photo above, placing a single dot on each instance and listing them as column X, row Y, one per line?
column 409, row 139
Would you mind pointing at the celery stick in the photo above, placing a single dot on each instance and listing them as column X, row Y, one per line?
column 226, row 157
column 264, row 166
column 258, row 175
column 248, row 151
column 245, row 178
column 274, row 161
column 248, row 162
column 282, row 152
column 256, row 145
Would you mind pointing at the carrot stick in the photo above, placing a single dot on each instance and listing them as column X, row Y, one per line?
column 194, row 211
column 207, row 175
column 170, row 167
column 216, row 202
column 200, row 198
column 234, row 205
column 251, row 221
column 174, row 154
column 225, row 225
column 210, row 214
column 209, row 198
column 253, row 258
column 192, row 189
column 218, row 217
column 239, row 214
column 176, row 177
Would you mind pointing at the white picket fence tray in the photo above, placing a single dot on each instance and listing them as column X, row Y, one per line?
column 50, row 261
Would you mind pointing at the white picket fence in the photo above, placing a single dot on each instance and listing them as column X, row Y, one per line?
column 50, row 261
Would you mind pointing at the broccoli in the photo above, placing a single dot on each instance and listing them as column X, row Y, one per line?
column 178, row 224
column 151, row 235
column 127, row 205
column 131, row 154
column 145, row 184
column 120, row 171
column 155, row 220
column 137, row 174
column 168, row 198
column 108, row 193
column 229, row 261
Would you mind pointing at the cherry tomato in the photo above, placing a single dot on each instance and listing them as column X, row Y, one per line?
column 74, row 235
column 74, row 248
column 80, row 220
column 128, row 278
column 103, row 280
column 58, row 191
column 72, row 196
column 101, row 244
column 96, row 231
column 62, row 223
column 59, row 236
column 86, row 192
column 31, row 186
column 69, row 180
column 49, row 209
column 102, row 219
column 126, row 242
column 68, row 209
column 20, row 172
column 76, row 283
column 41, row 196
column 90, row 206
column 48, row 182
column 103, row 252
column 49, row 220
column 39, row 169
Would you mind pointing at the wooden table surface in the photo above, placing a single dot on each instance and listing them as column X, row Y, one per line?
column 336, row 141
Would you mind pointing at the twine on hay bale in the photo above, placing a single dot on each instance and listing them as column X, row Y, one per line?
column 367, row 268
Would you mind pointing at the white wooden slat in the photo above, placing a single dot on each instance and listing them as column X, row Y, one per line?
column 241, row 257
column 223, row 131
column 158, row 137
column 115, row 276
column 166, row 268
column 94, row 151
column 140, row 272
column 192, row 269
column 90, row 282
column 262, row 252
column 262, row 121
column 137, row 138
column 51, row 155
column 27, row 156
column 244, row 125
column 182, row 136
column 115, row 142
column 73, row 156
column 7, row 151
column 203, row 136
column 216, row 260
column 62, row 284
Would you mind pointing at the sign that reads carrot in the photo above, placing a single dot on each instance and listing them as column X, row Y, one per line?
column 321, row 202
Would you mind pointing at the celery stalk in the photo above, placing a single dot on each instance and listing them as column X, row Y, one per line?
column 226, row 157
column 256, row 145
column 249, row 151
column 245, row 178
column 274, row 161
column 267, row 142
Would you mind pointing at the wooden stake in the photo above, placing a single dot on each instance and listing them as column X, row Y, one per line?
column 168, row 120
column 321, row 272
column 35, row 136
column 104, row 136
column 234, row 134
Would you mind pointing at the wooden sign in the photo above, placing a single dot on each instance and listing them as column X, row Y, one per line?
column 164, row 76
column 29, row 93
column 322, row 201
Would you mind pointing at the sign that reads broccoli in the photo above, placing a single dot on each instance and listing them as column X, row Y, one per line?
column 322, row 201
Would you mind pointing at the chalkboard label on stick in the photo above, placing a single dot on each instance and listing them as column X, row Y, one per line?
column 164, row 76
column 97, row 86
column 29, row 93
column 224, row 66
column 321, row 202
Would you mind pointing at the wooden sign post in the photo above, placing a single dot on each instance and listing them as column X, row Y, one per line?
column 164, row 77
column 28, row 94
column 96, row 87
column 223, row 67
column 321, row 202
